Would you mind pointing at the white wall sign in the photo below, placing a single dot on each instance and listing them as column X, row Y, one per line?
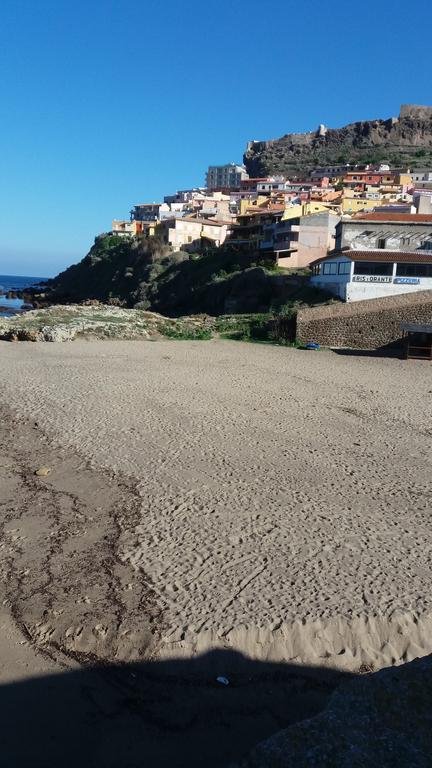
column 372, row 279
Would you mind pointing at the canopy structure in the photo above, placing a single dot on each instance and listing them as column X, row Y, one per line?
column 418, row 340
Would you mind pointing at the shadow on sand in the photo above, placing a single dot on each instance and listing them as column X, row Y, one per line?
column 395, row 350
column 156, row 714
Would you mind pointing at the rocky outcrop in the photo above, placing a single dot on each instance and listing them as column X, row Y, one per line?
column 406, row 140
column 99, row 321
column 381, row 719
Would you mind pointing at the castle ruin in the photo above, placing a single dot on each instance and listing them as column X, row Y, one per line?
column 415, row 112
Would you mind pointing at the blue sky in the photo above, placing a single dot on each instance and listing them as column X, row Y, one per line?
column 105, row 103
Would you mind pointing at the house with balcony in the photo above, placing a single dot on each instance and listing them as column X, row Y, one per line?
column 124, row 227
column 302, row 239
column 191, row 233
column 148, row 211
column 378, row 254
column 254, row 230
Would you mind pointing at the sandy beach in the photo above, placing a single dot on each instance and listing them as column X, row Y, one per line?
column 277, row 501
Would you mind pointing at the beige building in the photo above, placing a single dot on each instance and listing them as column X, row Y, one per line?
column 190, row 233
column 132, row 228
column 300, row 241
column 216, row 205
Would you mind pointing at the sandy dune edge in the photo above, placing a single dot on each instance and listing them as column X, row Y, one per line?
column 341, row 643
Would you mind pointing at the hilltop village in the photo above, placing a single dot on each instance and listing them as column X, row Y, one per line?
column 358, row 232
column 363, row 230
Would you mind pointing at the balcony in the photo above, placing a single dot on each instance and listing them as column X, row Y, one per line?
column 283, row 246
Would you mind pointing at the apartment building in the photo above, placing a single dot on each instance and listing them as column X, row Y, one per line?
column 225, row 176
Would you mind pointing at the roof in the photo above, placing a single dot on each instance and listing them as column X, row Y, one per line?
column 404, row 257
column 402, row 218
column 407, row 257
column 202, row 221
column 217, row 223
column 269, row 209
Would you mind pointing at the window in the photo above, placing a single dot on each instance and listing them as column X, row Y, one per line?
column 330, row 268
column 372, row 268
column 381, row 242
column 344, row 267
column 414, row 270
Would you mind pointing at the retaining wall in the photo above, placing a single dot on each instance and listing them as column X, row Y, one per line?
column 369, row 324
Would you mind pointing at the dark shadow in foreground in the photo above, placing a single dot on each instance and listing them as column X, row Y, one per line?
column 394, row 349
column 156, row 714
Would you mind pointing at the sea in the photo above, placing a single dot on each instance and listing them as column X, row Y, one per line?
column 9, row 307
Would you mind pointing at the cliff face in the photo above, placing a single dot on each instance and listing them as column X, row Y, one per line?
column 406, row 140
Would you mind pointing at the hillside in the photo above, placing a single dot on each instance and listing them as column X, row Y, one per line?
column 144, row 274
column 402, row 141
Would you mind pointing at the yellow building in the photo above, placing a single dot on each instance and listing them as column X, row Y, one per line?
column 404, row 178
column 355, row 204
column 303, row 209
column 256, row 202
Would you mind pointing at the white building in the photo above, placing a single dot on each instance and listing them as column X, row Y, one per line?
column 225, row 176
column 377, row 255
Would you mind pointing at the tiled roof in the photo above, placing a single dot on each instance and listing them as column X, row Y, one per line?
column 409, row 218
column 409, row 257
column 405, row 257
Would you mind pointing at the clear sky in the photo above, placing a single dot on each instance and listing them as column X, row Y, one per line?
column 107, row 103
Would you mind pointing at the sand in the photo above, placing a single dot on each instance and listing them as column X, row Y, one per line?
column 275, row 502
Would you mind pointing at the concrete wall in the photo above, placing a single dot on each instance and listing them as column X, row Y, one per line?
column 359, row 291
column 369, row 324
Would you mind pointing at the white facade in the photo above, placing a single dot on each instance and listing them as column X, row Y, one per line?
column 337, row 275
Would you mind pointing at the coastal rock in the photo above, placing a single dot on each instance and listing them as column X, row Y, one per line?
column 99, row 321
column 380, row 719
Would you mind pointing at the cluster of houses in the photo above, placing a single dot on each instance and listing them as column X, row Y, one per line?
column 363, row 231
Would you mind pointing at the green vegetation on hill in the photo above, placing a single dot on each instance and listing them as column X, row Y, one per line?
column 144, row 274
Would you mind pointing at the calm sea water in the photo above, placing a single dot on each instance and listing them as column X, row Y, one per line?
column 9, row 307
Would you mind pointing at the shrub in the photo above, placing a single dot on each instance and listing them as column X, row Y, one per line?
column 186, row 334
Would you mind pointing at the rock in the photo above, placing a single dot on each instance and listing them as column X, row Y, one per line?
column 366, row 141
column 381, row 719
column 43, row 471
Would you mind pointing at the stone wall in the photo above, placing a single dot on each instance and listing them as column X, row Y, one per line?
column 369, row 324
column 416, row 111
